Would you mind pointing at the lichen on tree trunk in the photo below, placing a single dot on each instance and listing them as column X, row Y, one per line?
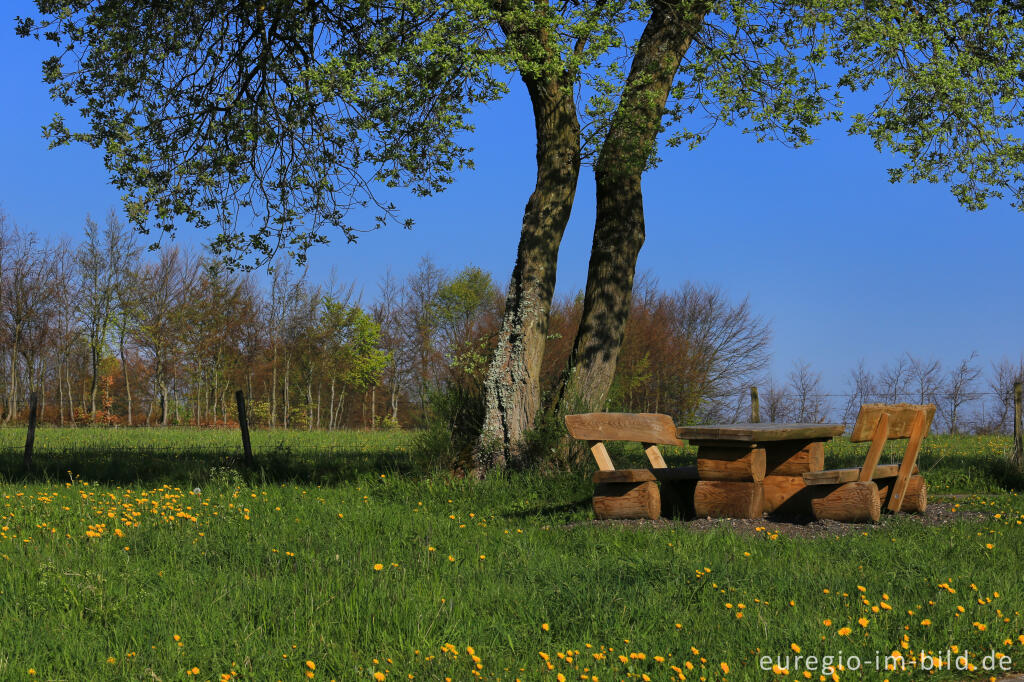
column 619, row 229
column 512, row 383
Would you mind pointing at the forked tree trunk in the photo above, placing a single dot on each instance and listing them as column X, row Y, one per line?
column 619, row 226
column 512, row 384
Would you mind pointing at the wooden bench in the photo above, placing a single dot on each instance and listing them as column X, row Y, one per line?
column 634, row 493
column 858, row 494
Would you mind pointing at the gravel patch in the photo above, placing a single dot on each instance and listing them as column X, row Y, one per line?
column 936, row 514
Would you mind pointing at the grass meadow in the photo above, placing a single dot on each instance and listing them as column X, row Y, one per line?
column 143, row 554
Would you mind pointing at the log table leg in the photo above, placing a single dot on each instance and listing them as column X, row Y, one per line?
column 730, row 480
column 729, row 499
column 785, row 462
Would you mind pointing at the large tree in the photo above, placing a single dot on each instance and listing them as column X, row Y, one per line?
column 295, row 110
column 204, row 108
column 948, row 79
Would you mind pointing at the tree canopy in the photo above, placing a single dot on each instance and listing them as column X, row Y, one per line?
column 295, row 113
column 299, row 111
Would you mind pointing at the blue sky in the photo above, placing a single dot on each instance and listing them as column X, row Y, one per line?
column 845, row 265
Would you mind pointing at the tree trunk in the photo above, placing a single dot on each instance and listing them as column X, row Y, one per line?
column 330, row 413
column 309, row 405
column 394, row 402
column 340, row 413
column 287, row 372
column 71, row 397
column 163, row 405
column 12, row 400
column 127, row 386
column 94, row 384
column 619, row 225
column 512, row 383
column 60, row 392
column 273, row 389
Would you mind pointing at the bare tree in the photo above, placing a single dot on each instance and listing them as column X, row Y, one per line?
column 387, row 313
column 1005, row 374
column 863, row 389
column 102, row 261
column 957, row 391
column 421, row 289
column 804, row 385
column 166, row 288
column 925, row 379
column 773, row 402
column 725, row 343
column 894, row 381
column 26, row 277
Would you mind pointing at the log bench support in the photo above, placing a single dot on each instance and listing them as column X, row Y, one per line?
column 634, row 493
column 858, row 495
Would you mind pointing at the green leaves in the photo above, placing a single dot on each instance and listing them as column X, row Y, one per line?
column 275, row 120
column 351, row 344
column 952, row 78
column 278, row 114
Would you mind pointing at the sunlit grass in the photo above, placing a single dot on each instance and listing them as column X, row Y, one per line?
column 422, row 575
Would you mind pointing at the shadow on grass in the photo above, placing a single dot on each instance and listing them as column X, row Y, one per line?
column 191, row 466
column 582, row 504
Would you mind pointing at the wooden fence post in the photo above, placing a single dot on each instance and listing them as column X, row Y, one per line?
column 1018, row 434
column 243, row 424
column 30, row 439
column 755, row 406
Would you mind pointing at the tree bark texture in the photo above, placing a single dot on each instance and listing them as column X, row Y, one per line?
column 512, row 383
column 619, row 225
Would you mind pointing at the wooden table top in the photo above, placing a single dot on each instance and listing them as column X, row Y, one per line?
column 757, row 433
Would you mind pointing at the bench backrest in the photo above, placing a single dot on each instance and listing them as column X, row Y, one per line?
column 878, row 423
column 645, row 428
column 901, row 420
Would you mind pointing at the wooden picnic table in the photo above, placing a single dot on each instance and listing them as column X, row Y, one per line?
column 745, row 470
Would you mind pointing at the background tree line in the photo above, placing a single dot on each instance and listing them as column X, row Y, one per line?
column 106, row 334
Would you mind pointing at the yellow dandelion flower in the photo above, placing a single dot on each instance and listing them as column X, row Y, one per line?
column 545, row 627
column 378, row 567
column 795, row 647
column 311, row 665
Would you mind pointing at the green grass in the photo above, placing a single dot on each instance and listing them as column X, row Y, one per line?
column 259, row 573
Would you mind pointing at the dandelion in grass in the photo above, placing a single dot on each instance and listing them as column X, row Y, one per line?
column 378, row 567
